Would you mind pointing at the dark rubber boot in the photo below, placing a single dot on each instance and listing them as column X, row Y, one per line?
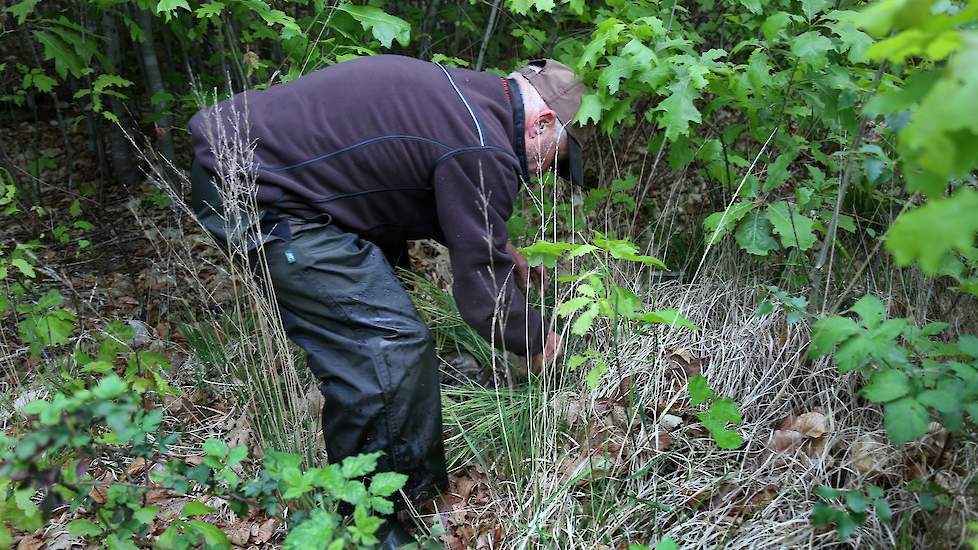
column 393, row 534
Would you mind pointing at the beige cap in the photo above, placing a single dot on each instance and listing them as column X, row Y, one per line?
column 562, row 91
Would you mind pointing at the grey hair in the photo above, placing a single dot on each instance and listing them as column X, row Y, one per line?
column 532, row 102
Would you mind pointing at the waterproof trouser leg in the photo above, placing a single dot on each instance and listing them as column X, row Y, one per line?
column 369, row 349
column 366, row 344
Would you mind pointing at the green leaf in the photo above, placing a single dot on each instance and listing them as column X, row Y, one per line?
column 385, row 27
column 167, row 6
column 607, row 32
column 794, row 229
column 215, row 447
column 109, row 387
column 570, row 306
column 575, row 361
column 905, row 420
column 823, row 515
column 726, row 410
column 386, row 483
column 699, row 390
column 213, row 536
column 753, row 6
column 883, row 510
column 941, row 140
column 359, row 465
column 210, row 9
column 928, row 233
column 100, row 367
column 870, row 309
column 583, row 323
column 764, row 308
column 51, row 329
column 827, row 493
column 678, row 110
column 21, row 10
column 847, row 524
column 774, row 24
column 591, row 107
column 621, row 302
column 522, row 6
column 594, row 375
column 941, row 400
column 65, row 56
column 669, row 317
column 25, row 268
column 625, row 250
column 716, row 225
column 640, row 54
column 777, row 171
column 811, row 8
column 146, row 514
column 43, row 83
column 618, row 69
column 83, row 528
column 812, row 49
column 545, row 253
column 754, row 235
column 237, row 455
column 195, row 508
column 667, row 544
column 886, row 385
column 716, row 418
column 315, row 533
column 828, row 332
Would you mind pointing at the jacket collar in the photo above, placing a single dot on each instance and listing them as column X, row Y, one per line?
column 519, row 145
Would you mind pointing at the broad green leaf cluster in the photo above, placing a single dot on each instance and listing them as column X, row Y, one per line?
column 916, row 376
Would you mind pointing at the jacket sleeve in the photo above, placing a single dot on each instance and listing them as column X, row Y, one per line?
column 474, row 192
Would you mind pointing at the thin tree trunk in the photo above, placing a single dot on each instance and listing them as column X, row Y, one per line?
column 426, row 27
column 485, row 39
column 96, row 144
column 120, row 153
column 154, row 84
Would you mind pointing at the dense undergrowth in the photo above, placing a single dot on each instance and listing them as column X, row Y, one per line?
column 768, row 302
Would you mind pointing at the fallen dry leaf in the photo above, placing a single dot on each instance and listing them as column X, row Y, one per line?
column 869, row 455
column 804, row 433
column 98, row 492
column 685, row 360
column 265, row 531
column 239, row 533
column 33, row 542
column 137, row 467
column 240, row 434
column 670, row 422
column 811, row 424
column 58, row 538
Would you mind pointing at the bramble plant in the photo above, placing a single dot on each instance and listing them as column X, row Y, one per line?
column 848, row 517
column 107, row 419
column 717, row 414
column 914, row 375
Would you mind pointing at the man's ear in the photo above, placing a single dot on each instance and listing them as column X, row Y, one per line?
column 545, row 119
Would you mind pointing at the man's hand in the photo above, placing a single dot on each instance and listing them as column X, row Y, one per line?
column 536, row 274
column 551, row 352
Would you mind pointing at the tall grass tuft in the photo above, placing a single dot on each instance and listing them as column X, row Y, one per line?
column 243, row 337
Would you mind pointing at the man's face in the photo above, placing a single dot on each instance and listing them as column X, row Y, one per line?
column 544, row 141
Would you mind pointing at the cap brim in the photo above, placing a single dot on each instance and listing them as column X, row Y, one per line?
column 572, row 167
